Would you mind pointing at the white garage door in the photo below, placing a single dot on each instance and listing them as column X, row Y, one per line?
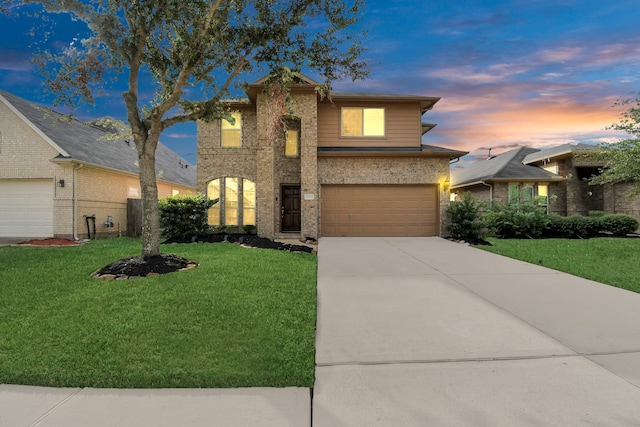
column 26, row 208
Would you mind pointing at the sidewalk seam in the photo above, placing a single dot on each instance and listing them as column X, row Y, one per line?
column 54, row 408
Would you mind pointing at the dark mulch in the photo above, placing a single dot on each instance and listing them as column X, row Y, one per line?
column 471, row 241
column 141, row 267
column 167, row 263
column 246, row 240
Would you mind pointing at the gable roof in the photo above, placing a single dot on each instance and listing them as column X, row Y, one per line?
column 507, row 166
column 87, row 143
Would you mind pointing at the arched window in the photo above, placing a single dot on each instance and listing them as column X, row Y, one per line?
column 237, row 201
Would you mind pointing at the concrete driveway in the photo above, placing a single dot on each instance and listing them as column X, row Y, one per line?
column 426, row 332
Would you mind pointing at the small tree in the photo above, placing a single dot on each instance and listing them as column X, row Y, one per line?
column 622, row 159
column 207, row 45
column 464, row 217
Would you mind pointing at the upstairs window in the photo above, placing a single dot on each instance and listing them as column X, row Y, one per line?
column 360, row 121
column 231, row 134
column 291, row 143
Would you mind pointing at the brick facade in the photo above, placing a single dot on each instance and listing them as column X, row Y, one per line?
column 263, row 161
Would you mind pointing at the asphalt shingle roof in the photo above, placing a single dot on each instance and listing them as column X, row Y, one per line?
column 507, row 165
column 88, row 143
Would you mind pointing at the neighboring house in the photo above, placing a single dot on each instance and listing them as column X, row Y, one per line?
column 351, row 165
column 558, row 176
column 54, row 172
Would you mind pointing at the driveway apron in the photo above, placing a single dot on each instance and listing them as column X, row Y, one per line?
column 427, row 332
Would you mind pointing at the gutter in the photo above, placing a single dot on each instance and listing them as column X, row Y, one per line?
column 75, row 202
column 490, row 190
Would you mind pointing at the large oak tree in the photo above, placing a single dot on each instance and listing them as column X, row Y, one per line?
column 192, row 47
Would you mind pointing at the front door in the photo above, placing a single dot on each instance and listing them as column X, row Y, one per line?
column 290, row 208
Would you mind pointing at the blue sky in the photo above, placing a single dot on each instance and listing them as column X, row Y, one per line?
column 515, row 72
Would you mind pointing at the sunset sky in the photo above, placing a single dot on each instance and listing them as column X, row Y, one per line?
column 514, row 72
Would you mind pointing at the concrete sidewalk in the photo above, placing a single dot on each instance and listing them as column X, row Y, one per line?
column 426, row 332
column 412, row 332
column 73, row 407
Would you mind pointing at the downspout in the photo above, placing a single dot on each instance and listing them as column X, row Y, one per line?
column 490, row 190
column 75, row 202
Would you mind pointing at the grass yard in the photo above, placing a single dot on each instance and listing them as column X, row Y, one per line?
column 613, row 261
column 244, row 317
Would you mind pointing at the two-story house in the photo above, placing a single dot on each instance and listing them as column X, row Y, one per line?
column 351, row 165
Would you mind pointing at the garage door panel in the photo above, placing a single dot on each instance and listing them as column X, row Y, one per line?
column 26, row 208
column 379, row 210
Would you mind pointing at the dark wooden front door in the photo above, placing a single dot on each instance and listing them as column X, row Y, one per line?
column 291, row 208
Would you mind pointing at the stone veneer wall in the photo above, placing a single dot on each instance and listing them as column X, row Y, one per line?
column 388, row 170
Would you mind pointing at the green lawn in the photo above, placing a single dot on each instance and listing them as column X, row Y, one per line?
column 613, row 261
column 244, row 317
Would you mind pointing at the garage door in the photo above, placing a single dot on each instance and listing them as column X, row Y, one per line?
column 26, row 208
column 379, row 210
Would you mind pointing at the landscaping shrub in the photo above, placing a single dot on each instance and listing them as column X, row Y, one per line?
column 582, row 226
column 577, row 226
column 528, row 220
column 464, row 218
column 182, row 217
column 617, row 224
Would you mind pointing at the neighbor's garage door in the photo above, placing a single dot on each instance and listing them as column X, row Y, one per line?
column 26, row 208
column 379, row 210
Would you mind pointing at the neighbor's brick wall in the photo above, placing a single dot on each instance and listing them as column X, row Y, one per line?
column 388, row 170
column 105, row 193
column 616, row 200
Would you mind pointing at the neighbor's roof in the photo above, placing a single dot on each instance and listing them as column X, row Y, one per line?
column 87, row 143
column 564, row 150
column 503, row 167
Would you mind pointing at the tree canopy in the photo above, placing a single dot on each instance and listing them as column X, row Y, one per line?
column 622, row 159
column 193, row 53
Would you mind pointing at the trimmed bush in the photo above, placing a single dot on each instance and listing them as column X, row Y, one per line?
column 183, row 217
column 617, row 224
column 516, row 221
column 464, row 218
column 577, row 226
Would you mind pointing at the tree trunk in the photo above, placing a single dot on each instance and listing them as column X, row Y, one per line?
column 150, row 210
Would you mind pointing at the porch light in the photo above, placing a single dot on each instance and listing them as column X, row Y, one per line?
column 60, row 183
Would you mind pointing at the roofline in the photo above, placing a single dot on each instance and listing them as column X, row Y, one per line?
column 556, row 156
column 33, row 126
column 498, row 180
column 73, row 161
column 426, row 102
column 387, row 152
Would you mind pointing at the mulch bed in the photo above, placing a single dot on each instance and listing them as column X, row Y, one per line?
column 138, row 266
column 249, row 240
column 472, row 241
column 166, row 263
column 54, row 241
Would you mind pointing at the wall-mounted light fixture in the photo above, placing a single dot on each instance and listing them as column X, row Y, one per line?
column 60, row 183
